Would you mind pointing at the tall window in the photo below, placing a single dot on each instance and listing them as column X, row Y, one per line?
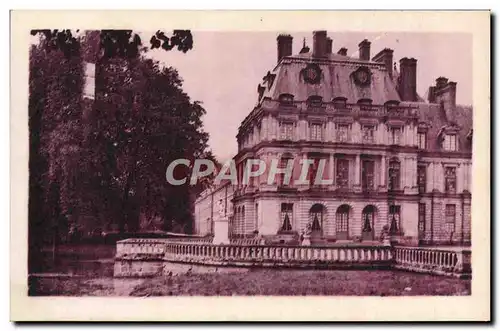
column 283, row 165
column 368, row 218
column 395, row 135
column 313, row 170
column 450, row 218
column 395, row 218
column 450, row 142
column 421, row 178
column 367, row 175
column 342, row 221
column 286, row 216
column 89, row 85
column 421, row 218
column 368, row 134
column 450, row 179
column 394, row 175
column 342, row 172
column 286, row 131
column 342, row 133
column 316, row 217
column 422, row 140
column 316, row 132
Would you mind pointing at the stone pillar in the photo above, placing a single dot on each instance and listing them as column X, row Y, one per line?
column 330, row 168
column 357, row 172
column 460, row 178
column 430, row 177
column 383, row 171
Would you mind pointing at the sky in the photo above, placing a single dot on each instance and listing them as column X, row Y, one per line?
column 224, row 68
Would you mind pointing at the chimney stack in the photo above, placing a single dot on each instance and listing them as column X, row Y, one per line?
column 445, row 93
column 319, row 43
column 329, row 45
column 284, row 46
column 385, row 56
column 441, row 82
column 364, row 50
column 342, row 51
column 407, row 84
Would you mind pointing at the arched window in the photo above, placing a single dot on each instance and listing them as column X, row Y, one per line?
column 368, row 222
column 342, row 221
column 394, row 174
column 316, row 214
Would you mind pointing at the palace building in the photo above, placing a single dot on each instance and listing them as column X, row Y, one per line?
column 397, row 162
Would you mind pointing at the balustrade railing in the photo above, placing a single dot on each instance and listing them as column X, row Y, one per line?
column 252, row 251
column 349, row 108
column 277, row 254
column 434, row 260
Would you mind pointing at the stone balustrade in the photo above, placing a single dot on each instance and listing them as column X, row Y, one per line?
column 284, row 256
column 349, row 108
column 437, row 261
column 138, row 248
column 247, row 241
column 139, row 257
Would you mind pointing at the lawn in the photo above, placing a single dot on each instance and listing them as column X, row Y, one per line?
column 260, row 282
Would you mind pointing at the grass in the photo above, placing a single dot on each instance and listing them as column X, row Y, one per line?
column 260, row 282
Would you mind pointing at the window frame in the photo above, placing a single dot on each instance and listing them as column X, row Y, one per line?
column 450, row 142
column 392, row 135
column 390, row 182
column 373, row 131
column 347, row 133
column 450, row 177
column 286, row 210
column 420, row 135
column 287, row 134
column 344, row 181
column 316, row 135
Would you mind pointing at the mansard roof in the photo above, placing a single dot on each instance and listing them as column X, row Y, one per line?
column 435, row 120
column 337, row 79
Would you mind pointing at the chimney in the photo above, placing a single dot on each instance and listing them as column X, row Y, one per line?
column 431, row 95
column 407, row 84
column 445, row 93
column 284, row 46
column 441, row 82
column 319, row 43
column 385, row 56
column 342, row 51
column 329, row 45
column 364, row 50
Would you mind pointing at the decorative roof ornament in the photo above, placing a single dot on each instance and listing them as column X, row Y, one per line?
column 304, row 49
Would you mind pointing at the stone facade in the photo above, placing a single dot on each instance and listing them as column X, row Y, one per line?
column 389, row 157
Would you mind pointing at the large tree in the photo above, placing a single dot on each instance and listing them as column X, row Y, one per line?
column 110, row 164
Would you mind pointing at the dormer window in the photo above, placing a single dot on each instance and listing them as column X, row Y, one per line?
column 314, row 101
column 260, row 90
column 286, row 99
column 365, row 104
column 339, row 103
column 450, row 142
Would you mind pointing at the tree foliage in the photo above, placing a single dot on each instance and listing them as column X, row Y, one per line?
column 101, row 163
